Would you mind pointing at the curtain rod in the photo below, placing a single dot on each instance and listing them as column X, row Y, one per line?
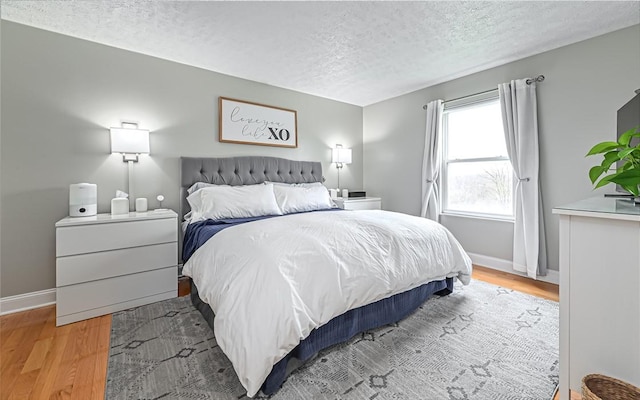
column 529, row 81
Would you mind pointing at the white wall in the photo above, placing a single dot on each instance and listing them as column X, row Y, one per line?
column 585, row 85
column 59, row 97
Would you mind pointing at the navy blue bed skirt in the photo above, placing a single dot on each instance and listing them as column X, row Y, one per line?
column 343, row 327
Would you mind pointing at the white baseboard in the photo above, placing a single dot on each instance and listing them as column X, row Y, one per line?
column 27, row 301
column 507, row 266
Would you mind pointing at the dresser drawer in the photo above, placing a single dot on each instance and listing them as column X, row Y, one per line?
column 112, row 291
column 362, row 205
column 82, row 239
column 93, row 266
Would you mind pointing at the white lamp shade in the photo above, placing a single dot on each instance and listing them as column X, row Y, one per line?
column 341, row 155
column 129, row 141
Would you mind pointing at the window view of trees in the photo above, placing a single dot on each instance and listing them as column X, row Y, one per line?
column 477, row 174
column 483, row 187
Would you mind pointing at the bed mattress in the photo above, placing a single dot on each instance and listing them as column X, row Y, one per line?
column 285, row 288
column 341, row 328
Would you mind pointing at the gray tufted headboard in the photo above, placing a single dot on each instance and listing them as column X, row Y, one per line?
column 250, row 170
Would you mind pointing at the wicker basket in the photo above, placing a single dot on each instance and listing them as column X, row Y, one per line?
column 601, row 387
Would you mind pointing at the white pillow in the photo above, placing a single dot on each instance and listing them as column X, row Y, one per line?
column 199, row 185
column 293, row 198
column 304, row 184
column 195, row 202
column 221, row 201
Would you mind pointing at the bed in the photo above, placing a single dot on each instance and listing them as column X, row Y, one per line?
column 282, row 286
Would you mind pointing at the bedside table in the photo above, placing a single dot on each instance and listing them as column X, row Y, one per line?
column 359, row 203
column 107, row 263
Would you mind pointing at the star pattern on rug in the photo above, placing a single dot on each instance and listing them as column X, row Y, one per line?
column 379, row 381
column 448, row 330
column 481, row 370
column 134, row 344
column 183, row 353
column 457, row 393
column 169, row 314
column 535, row 312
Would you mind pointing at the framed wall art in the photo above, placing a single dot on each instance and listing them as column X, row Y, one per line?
column 253, row 123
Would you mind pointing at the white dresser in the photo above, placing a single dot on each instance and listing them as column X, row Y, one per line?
column 359, row 203
column 110, row 263
column 599, row 291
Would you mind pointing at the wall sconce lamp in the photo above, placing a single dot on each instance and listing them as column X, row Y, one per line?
column 340, row 156
column 130, row 141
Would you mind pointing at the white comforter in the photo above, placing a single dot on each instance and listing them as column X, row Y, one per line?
column 271, row 282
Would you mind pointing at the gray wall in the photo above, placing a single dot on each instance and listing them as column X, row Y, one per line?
column 59, row 97
column 585, row 85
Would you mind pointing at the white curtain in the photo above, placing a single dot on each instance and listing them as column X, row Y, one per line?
column 520, row 120
column 431, row 161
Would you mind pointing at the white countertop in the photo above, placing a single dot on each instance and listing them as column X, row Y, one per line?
column 602, row 207
column 108, row 218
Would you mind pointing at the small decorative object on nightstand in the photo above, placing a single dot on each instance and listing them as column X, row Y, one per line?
column 141, row 204
column 359, row 203
column 109, row 263
column 83, row 199
column 160, row 199
column 120, row 205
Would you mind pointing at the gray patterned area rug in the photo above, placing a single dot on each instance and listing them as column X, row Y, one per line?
column 481, row 342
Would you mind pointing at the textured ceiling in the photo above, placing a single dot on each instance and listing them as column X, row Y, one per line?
column 355, row 52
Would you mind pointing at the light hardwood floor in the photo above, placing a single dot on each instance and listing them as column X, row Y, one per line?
column 40, row 361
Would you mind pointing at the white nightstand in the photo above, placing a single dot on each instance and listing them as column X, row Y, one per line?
column 359, row 203
column 110, row 263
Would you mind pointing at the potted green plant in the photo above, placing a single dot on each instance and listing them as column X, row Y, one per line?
column 627, row 173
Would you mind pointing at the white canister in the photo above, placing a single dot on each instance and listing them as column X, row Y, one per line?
column 141, row 204
column 119, row 205
column 333, row 193
column 345, row 193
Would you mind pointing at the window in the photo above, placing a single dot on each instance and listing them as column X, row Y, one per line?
column 477, row 177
